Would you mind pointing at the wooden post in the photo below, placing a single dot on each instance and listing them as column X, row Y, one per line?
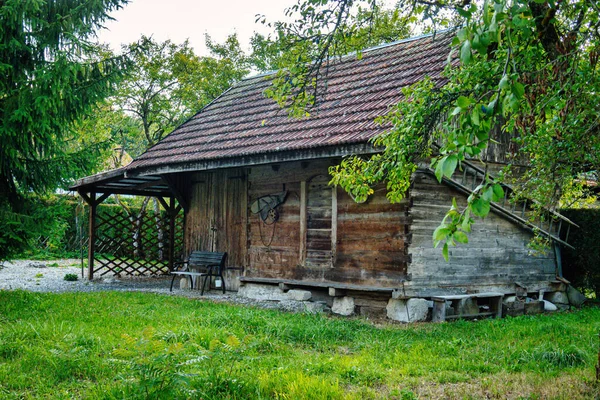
column 303, row 199
column 92, row 235
column 172, row 212
column 334, row 218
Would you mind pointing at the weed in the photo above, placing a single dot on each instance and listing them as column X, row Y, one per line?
column 570, row 356
column 71, row 277
column 38, row 276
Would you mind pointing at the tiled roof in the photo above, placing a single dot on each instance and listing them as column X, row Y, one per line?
column 243, row 122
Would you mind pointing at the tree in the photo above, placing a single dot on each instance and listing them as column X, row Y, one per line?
column 527, row 67
column 51, row 76
column 168, row 83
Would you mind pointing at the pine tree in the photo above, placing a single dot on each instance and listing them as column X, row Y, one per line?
column 51, row 74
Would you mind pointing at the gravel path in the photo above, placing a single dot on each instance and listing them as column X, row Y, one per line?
column 48, row 276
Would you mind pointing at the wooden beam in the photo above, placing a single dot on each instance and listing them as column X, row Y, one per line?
column 176, row 192
column 85, row 197
column 165, row 205
column 92, row 235
column 334, row 223
column 303, row 200
column 172, row 217
column 131, row 192
column 102, row 198
column 150, row 184
column 335, row 292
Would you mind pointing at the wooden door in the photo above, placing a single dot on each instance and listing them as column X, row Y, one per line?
column 217, row 219
column 229, row 221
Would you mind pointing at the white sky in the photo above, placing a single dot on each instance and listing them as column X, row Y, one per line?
column 181, row 19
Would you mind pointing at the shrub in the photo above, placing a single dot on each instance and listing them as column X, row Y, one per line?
column 71, row 277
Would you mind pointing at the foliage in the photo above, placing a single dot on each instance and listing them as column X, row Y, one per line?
column 115, row 345
column 52, row 75
column 169, row 83
column 526, row 67
column 71, row 277
column 581, row 266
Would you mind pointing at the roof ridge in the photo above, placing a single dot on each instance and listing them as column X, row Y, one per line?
column 368, row 49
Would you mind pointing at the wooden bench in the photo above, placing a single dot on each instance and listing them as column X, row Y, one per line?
column 439, row 305
column 211, row 263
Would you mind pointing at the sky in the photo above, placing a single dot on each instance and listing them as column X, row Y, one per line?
column 182, row 19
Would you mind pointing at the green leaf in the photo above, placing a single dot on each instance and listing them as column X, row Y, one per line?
column 498, row 192
column 460, row 237
column 475, row 116
column 480, row 207
column 465, row 52
column 518, row 90
column 440, row 233
column 449, row 165
column 439, row 169
column 488, row 194
column 504, row 83
column 463, row 102
column 445, row 251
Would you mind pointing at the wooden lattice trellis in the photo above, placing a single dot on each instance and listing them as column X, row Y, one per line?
column 126, row 245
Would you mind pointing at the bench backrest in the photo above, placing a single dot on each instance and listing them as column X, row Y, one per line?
column 208, row 258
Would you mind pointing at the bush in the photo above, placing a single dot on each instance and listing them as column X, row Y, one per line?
column 71, row 277
column 581, row 265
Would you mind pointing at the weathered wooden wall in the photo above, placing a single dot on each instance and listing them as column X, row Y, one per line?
column 495, row 258
column 339, row 240
column 322, row 235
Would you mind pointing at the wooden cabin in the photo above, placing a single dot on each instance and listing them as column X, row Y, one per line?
column 243, row 147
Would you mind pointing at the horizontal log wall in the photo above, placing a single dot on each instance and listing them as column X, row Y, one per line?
column 369, row 245
column 496, row 255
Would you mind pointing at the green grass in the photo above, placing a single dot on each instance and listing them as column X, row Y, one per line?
column 145, row 346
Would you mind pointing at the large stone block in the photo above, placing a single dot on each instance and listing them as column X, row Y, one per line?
column 343, row 305
column 411, row 310
column 557, row 297
column 261, row 292
column 299, row 295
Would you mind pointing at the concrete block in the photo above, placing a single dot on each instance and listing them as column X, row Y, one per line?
column 549, row 306
column 262, row 292
column 343, row 305
column 411, row 310
column 557, row 297
column 184, row 283
column 299, row 295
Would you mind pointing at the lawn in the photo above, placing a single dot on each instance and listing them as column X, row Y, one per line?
column 137, row 345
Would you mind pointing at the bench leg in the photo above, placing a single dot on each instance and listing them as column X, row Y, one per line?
column 206, row 277
column 222, row 283
column 172, row 280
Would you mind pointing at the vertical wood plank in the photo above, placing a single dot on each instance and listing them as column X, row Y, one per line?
column 172, row 211
column 334, row 222
column 92, row 235
column 303, row 198
column 245, row 205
